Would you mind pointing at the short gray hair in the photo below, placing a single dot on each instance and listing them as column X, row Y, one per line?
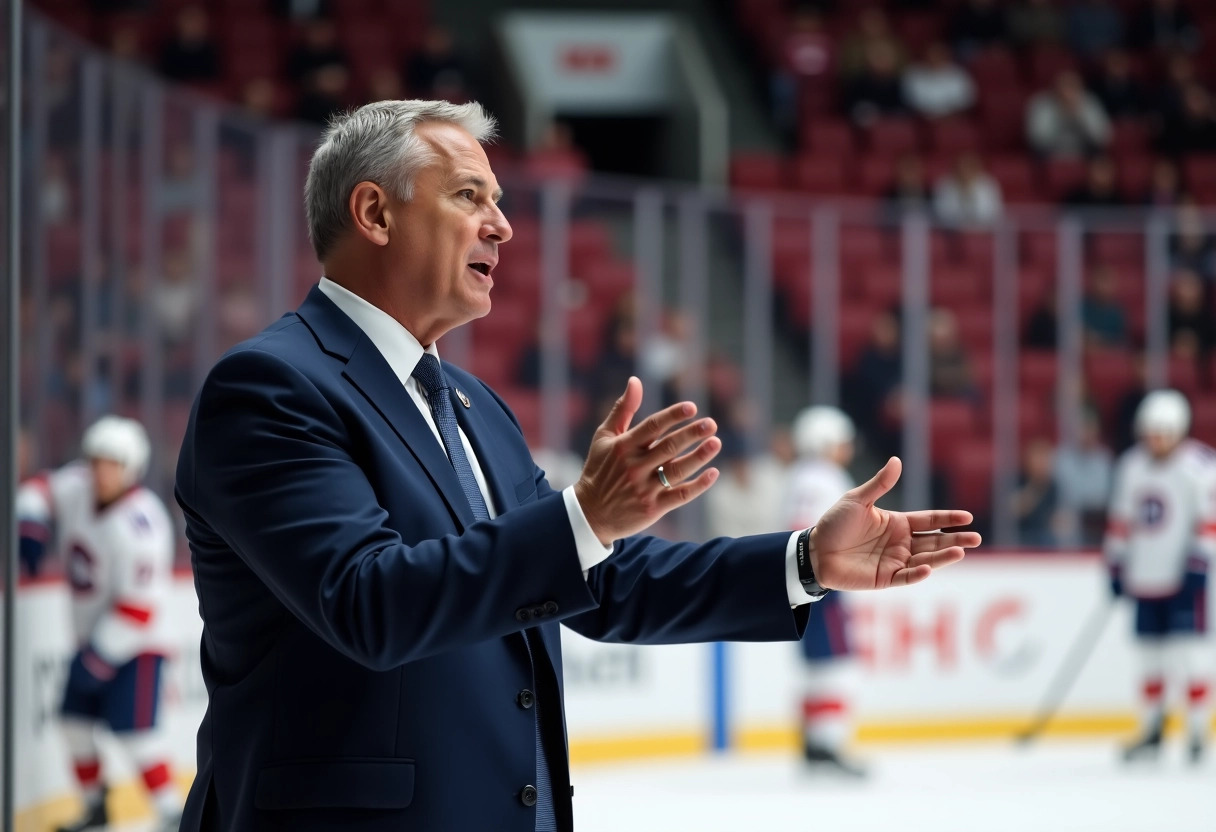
column 376, row 143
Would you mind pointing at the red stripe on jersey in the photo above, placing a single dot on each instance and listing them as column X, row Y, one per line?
column 156, row 777
column 42, row 484
column 144, row 691
column 1117, row 528
column 34, row 531
column 1207, row 530
column 1154, row 688
column 813, row 709
column 139, row 615
column 88, row 772
column 1197, row 692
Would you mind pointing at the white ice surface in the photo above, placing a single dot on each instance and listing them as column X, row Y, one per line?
column 1054, row 787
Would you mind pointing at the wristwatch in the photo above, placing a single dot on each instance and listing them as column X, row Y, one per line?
column 806, row 573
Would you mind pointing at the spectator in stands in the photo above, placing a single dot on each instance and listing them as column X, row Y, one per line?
column 1180, row 75
column 1093, row 27
column 1035, row 23
column 556, row 156
column 437, row 70
column 297, row 10
column 1100, row 188
column 873, row 30
column 969, row 196
column 1083, row 474
column 1066, row 120
column 871, row 388
column 1042, row 328
column 875, row 92
column 176, row 297
column 1102, row 316
column 1036, row 500
column 1191, row 246
column 1192, row 323
column 326, row 91
column 748, row 494
column 807, row 57
column 978, row 25
column 936, row 86
column 617, row 362
column 1164, row 25
column 55, row 191
column 318, row 49
column 126, row 43
column 1193, row 129
column 950, row 373
column 1123, row 433
column 1165, row 186
column 191, row 54
column 910, row 190
column 385, row 85
column 260, row 96
column 1116, row 88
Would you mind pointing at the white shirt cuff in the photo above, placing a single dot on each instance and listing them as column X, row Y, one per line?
column 793, row 586
column 590, row 551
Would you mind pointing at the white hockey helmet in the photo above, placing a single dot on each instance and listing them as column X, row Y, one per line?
column 1163, row 413
column 123, row 440
column 819, row 429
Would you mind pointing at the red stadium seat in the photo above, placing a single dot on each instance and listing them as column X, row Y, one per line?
column 970, row 465
column 1003, row 118
column 856, row 323
column 875, row 174
column 1185, row 375
column 830, row 137
column 1130, row 137
column 1063, row 175
column 757, row 171
column 1037, row 373
column 994, row 69
column 882, row 286
column 1044, row 65
column 1109, row 373
column 1203, row 418
column 1016, row 176
column 1115, row 248
column 953, row 136
column 821, row 174
column 950, row 421
column 893, row 137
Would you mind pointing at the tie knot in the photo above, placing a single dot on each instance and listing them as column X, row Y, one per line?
column 430, row 375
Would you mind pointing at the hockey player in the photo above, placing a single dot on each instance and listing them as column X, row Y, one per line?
column 117, row 543
column 823, row 438
column 1160, row 540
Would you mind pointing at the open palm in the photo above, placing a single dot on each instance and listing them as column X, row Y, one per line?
column 857, row 545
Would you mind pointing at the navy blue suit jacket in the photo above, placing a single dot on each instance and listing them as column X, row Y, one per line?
column 363, row 644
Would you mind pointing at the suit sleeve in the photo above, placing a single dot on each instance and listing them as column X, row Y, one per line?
column 266, row 466
column 652, row 591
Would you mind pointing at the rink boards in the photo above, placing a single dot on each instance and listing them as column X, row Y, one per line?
column 968, row 654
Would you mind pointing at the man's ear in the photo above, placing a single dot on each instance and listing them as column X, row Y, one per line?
column 369, row 208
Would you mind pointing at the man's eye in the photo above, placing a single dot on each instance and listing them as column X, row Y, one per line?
column 467, row 194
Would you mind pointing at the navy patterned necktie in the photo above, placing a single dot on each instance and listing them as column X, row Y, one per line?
column 430, row 375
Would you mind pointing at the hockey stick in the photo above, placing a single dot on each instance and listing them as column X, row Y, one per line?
column 1078, row 655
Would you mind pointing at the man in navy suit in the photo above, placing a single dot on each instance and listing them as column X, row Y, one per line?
column 381, row 567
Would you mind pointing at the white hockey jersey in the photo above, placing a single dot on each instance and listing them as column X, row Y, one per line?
column 1162, row 519
column 119, row 560
column 814, row 486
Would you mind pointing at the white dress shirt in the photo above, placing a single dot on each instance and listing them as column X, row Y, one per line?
column 402, row 352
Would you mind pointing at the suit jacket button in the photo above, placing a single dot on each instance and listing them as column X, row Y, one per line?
column 522, row 614
column 538, row 611
column 528, row 796
column 525, row 699
column 550, row 608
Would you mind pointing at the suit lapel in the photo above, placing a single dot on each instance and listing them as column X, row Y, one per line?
column 481, row 439
column 367, row 370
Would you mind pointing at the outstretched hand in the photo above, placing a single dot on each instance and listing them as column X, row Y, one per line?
column 621, row 491
column 857, row 545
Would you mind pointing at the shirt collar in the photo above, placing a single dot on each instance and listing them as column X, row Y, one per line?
column 396, row 343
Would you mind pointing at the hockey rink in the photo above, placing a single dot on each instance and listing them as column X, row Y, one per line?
column 1053, row 787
